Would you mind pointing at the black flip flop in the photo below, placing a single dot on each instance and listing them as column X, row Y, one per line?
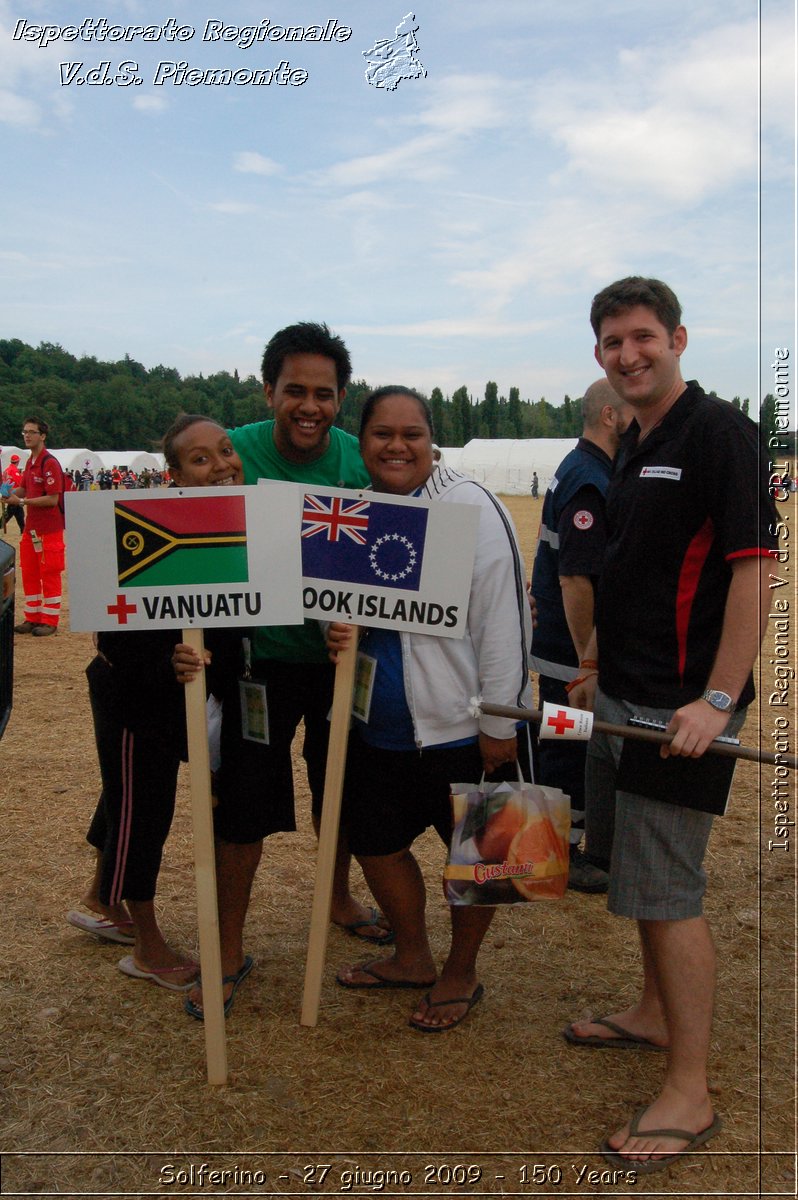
column 469, row 1001
column 354, row 927
column 624, row 1040
column 647, row 1166
column 381, row 981
column 197, row 1013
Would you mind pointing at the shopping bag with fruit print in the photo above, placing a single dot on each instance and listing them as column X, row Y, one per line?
column 509, row 844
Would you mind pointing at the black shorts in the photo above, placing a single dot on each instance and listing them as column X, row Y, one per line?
column 392, row 796
column 255, row 783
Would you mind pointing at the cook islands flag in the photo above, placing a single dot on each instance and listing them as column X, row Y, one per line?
column 185, row 540
column 363, row 542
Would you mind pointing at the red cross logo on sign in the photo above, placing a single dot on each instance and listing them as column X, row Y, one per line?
column 583, row 519
column 560, row 723
column 121, row 609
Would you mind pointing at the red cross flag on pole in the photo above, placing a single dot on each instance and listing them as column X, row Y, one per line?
column 561, row 722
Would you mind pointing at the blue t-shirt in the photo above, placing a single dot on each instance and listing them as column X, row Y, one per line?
column 390, row 724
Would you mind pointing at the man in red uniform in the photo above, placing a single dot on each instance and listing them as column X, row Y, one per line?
column 12, row 478
column 41, row 549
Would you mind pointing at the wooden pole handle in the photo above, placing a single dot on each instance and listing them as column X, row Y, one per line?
column 328, row 832
column 205, row 870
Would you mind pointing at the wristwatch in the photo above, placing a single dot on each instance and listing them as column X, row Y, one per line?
column 722, row 701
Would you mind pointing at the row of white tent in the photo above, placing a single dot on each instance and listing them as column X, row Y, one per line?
column 94, row 460
column 505, row 465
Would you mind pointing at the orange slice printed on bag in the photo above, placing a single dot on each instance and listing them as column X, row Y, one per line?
column 538, row 843
column 495, row 839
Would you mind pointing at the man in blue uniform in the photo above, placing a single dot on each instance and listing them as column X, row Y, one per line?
column 569, row 557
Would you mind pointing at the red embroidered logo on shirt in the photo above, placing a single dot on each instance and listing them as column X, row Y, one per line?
column 583, row 519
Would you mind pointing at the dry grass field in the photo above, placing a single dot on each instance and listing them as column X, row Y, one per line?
column 103, row 1077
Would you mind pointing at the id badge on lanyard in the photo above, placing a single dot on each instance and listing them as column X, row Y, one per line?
column 365, row 671
column 252, row 697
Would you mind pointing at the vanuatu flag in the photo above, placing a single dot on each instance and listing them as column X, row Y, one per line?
column 185, row 540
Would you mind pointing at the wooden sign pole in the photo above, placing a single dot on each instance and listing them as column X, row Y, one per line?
column 205, row 870
column 328, row 833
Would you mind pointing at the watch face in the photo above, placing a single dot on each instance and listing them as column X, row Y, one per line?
column 718, row 700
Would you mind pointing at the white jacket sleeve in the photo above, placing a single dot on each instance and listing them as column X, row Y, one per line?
column 499, row 620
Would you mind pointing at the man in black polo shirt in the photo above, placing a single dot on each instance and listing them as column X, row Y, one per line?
column 690, row 525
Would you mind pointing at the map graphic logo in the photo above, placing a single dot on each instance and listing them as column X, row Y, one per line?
column 390, row 60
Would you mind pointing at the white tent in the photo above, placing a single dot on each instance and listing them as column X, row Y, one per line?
column 450, row 456
column 136, row 460
column 505, row 465
column 77, row 460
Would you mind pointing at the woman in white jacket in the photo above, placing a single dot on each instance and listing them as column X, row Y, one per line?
column 421, row 734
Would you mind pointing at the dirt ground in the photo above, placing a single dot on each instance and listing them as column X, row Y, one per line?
column 103, row 1078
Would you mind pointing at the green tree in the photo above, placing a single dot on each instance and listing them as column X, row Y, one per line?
column 11, row 350
column 514, row 413
column 162, row 375
column 571, row 422
column 461, row 406
column 577, row 419
column 132, row 367
column 490, row 410
column 50, row 398
column 767, row 415
column 567, row 416
column 436, row 406
column 88, row 369
column 352, row 406
column 543, row 418
column 456, row 419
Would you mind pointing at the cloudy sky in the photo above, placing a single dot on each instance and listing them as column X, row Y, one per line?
column 454, row 230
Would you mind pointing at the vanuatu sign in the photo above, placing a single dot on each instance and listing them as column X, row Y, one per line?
column 179, row 558
column 388, row 561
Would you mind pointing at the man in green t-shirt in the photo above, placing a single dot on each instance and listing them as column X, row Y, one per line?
column 305, row 372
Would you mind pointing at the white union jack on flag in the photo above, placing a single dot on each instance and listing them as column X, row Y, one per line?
column 335, row 516
column 363, row 541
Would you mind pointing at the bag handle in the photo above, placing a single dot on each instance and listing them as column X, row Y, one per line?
column 519, row 773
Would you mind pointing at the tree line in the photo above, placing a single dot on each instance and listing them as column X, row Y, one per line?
column 124, row 405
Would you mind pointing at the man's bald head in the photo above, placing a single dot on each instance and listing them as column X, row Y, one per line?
column 595, row 400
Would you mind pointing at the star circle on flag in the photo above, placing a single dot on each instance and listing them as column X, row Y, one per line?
column 583, row 519
column 392, row 576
